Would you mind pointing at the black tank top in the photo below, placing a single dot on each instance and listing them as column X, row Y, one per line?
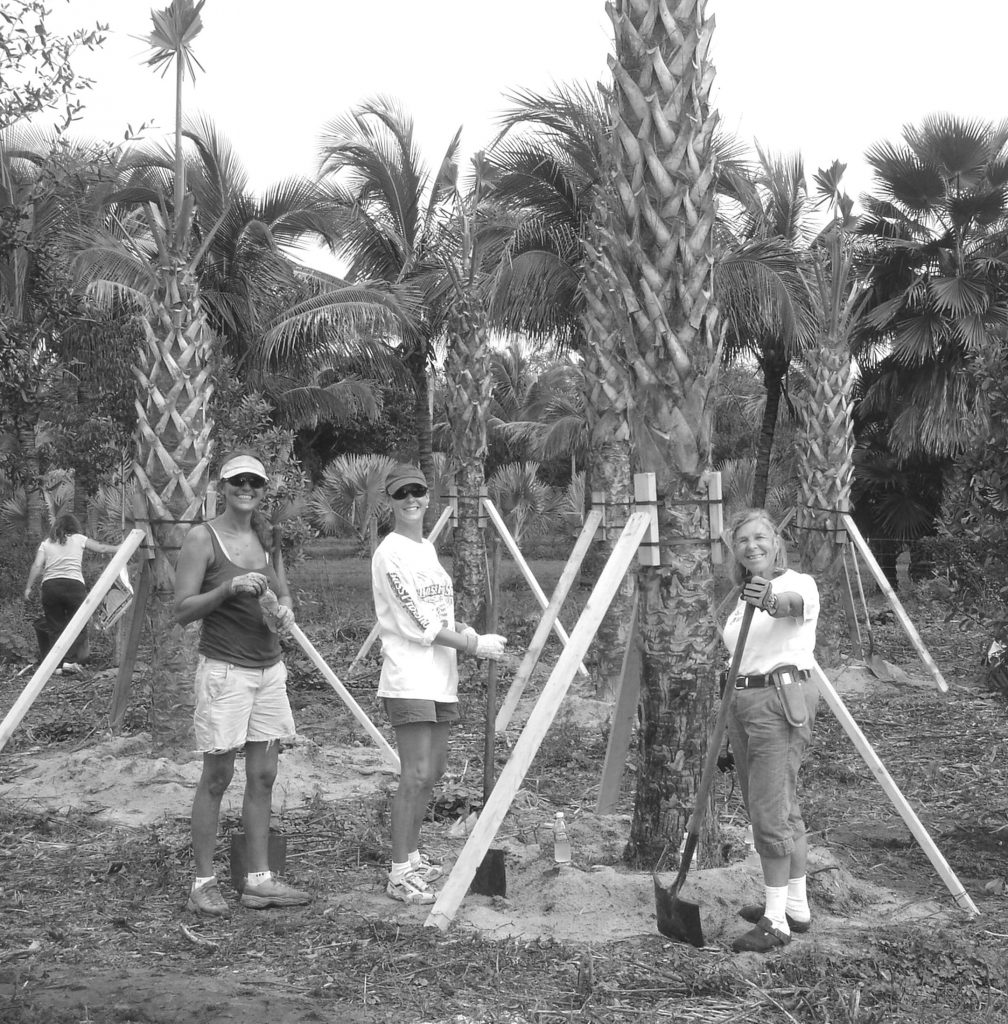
column 235, row 631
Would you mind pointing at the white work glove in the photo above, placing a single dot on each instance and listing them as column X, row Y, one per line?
column 491, row 646
column 278, row 617
column 254, row 583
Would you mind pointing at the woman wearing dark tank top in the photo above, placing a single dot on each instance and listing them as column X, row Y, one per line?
column 225, row 580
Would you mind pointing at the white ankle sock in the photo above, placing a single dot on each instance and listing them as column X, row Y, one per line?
column 797, row 899
column 257, row 877
column 776, row 900
column 399, row 871
column 199, row 882
column 414, row 859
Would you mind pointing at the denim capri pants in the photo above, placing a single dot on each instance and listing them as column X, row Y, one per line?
column 768, row 753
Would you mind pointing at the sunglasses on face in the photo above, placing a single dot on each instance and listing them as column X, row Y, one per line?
column 247, row 480
column 409, row 491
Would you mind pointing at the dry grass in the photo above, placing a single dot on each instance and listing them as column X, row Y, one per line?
column 98, row 907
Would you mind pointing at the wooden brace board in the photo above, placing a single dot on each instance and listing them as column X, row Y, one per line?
column 535, row 730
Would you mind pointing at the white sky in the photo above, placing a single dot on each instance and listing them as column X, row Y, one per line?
column 823, row 79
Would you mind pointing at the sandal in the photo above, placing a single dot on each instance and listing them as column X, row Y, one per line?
column 761, row 939
column 752, row 912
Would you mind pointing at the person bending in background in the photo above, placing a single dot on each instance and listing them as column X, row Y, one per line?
column 59, row 561
column 771, row 719
column 226, row 580
column 414, row 606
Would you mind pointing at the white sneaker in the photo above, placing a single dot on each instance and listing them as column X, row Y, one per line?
column 411, row 888
column 427, row 869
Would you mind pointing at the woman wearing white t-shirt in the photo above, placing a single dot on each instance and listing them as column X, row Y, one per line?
column 414, row 605
column 770, row 721
column 59, row 563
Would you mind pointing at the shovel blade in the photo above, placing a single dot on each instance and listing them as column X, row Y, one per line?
column 677, row 918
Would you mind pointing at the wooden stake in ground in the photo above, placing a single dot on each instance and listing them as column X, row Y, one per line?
column 526, row 571
column 899, row 801
column 541, row 635
column 532, row 735
column 884, row 586
column 64, row 641
column 355, row 709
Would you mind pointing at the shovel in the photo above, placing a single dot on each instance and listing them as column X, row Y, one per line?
column 677, row 918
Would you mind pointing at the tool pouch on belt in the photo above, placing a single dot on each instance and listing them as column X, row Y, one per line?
column 790, row 686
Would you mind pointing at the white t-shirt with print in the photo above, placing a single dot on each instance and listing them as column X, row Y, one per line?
column 772, row 642
column 414, row 600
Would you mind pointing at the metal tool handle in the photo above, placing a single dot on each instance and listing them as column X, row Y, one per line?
column 714, row 745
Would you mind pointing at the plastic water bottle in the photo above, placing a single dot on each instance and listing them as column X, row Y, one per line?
column 561, row 844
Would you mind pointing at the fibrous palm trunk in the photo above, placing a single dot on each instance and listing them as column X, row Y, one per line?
column 173, row 375
column 825, row 425
column 662, row 253
column 606, row 408
column 468, row 389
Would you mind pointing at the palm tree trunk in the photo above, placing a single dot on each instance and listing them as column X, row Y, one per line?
column 826, row 422
column 172, row 470
column 773, row 374
column 468, row 387
column 662, row 252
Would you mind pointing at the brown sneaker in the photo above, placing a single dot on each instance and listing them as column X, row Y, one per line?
column 273, row 893
column 207, row 900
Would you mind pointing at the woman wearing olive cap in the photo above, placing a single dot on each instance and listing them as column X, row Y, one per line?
column 414, row 604
column 225, row 579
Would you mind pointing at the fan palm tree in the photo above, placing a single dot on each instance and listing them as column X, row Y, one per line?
column 936, row 226
column 659, row 240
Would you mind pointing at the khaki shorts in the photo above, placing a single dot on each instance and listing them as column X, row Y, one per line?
column 403, row 711
column 236, row 705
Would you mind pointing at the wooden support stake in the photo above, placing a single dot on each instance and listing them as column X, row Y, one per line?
column 519, row 559
column 538, row 642
column 894, row 601
column 535, row 730
column 715, row 516
column 446, row 514
column 623, row 716
column 906, row 812
column 355, row 709
column 646, row 497
column 847, row 599
column 864, row 602
column 65, row 640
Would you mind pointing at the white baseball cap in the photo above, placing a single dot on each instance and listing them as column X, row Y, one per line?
column 243, row 464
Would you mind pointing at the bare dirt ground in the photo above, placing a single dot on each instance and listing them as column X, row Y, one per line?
column 94, row 862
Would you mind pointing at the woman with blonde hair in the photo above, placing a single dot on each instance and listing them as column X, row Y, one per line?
column 770, row 720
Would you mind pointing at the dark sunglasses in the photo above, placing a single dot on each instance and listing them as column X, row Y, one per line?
column 409, row 491
column 247, row 480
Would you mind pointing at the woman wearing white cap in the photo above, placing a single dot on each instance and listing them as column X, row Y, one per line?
column 225, row 578
column 414, row 605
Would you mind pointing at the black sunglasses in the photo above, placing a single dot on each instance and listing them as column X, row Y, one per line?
column 409, row 491
column 247, row 480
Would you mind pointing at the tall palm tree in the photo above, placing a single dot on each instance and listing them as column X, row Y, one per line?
column 394, row 229
column 774, row 210
column 937, row 224
column 660, row 244
column 826, row 424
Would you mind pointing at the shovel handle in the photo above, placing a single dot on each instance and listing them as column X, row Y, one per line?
column 713, row 746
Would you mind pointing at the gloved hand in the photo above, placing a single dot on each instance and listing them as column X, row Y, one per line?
column 278, row 617
column 490, row 645
column 254, row 583
column 757, row 592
